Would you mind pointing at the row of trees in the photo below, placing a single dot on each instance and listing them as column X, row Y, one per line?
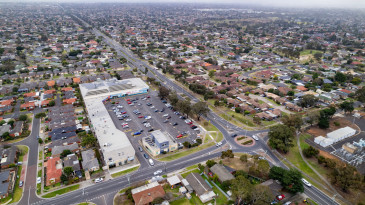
column 184, row 106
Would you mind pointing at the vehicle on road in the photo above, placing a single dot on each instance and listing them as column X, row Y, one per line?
column 146, row 156
column 219, row 144
column 136, row 133
column 255, row 137
column 21, row 183
column 140, row 148
column 157, row 172
column 151, row 162
column 306, row 182
column 234, row 135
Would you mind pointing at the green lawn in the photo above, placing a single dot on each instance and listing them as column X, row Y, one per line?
column 295, row 158
column 62, row 191
column 187, row 173
column 186, row 152
column 195, row 166
column 18, row 191
column 124, row 172
column 40, row 156
column 308, row 52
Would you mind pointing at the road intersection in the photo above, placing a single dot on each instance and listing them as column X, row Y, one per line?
column 103, row 193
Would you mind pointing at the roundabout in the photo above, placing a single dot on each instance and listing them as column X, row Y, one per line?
column 244, row 141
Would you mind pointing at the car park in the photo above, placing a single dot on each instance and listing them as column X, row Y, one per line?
column 306, row 182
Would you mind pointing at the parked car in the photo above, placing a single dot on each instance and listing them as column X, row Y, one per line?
column 127, row 120
column 165, row 115
column 280, row 197
column 147, row 117
column 146, row 156
column 157, row 172
column 140, row 148
column 150, row 130
column 165, row 121
column 141, row 116
column 168, row 117
column 175, row 124
column 39, row 180
column 179, row 136
column 97, row 180
column 136, row 133
column 21, row 183
column 151, row 162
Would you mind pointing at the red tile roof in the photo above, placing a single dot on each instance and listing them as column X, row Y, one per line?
column 6, row 102
column 49, row 91
column 67, row 89
column 51, row 83
column 69, row 101
column 27, row 105
column 29, row 94
column 52, row 171
column 76, row 80
column 148, row 195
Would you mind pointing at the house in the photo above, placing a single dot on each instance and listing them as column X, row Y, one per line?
column 51, row 83
column 72, row 160
column 53, row 169
column 146, row 194
column 222, row 173
column 76, row 80
column 57, row 150
column 89, row 161
column 27, row 106
column 4, row 128
column 274, row 186
column 17, row 130
column 69, row 101
column 6, row 109
column 301, row 88
column 7, row 182
column 200, row 186
column 8, row 156
column 67, row 89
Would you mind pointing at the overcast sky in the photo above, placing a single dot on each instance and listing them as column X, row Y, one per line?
column 279, row 3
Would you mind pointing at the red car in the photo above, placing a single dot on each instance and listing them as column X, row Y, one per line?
column 190, row 123
column 141, row 116
column 179, row 136
column 128, row 99
column 129, row 102
column 148, row 96
column 280, row 197
column 124, row 113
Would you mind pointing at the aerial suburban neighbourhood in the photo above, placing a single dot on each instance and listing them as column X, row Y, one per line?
column 181, row 103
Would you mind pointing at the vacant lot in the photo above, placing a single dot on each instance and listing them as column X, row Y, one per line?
column 316, row 131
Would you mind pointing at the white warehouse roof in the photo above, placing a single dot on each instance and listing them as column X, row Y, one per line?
column 341, row 134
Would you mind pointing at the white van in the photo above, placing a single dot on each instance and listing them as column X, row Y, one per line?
column 151, row 162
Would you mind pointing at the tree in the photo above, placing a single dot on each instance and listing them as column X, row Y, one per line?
column 88, row 140
column 360, row 94
column 40, row 141
column 294, row 120
column 173, row 98
column 65, row 153
column 346, row 177
column 40, row 115
column 63, row 178
column 52, row 103
column 68, row 171
column 310, row 152
column 241, row 189
column 23, row 118
column 11, row 122
column 163, row 92
column 2, row 122
column 281, row 137
column 325, row 116
column 200, row 108
column 187, row 144
column 227, row 154
column 291, row 180
column 238, row 109
column 261, row 195
column 340, row 77
column 347, row 106
column 184, row 106
column 313, row 117
column 210, row 163
column 256, row 120
column 211, row 73
column 318, row 56
column 308, row 101
column 244, row 157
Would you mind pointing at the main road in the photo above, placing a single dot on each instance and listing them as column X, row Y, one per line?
column 103, row 193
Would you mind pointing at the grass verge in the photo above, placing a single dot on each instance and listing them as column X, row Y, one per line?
column 187, row 152
column 62, row 191
column 124, row 172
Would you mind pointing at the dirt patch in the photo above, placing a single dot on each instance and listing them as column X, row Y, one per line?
column 343, row 122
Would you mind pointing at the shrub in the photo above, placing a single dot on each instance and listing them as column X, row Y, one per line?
column 244, row 158
column 247, row 142
column 211, row 163
column 321, row 159
column 336, row 123
column 310, row 152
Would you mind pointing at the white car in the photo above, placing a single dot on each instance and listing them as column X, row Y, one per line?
column 255, row 137
column 97, row 180
column 39, row 180
column 124, row 124
column 165, row 115
column 218, row 144
column 306, row 182
column 157, row 172
column 147, row 124
column 147, row 117
column 152, row 107
column 287, row 203
column 127, row 120
column 187, row 121
column 119, row 106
